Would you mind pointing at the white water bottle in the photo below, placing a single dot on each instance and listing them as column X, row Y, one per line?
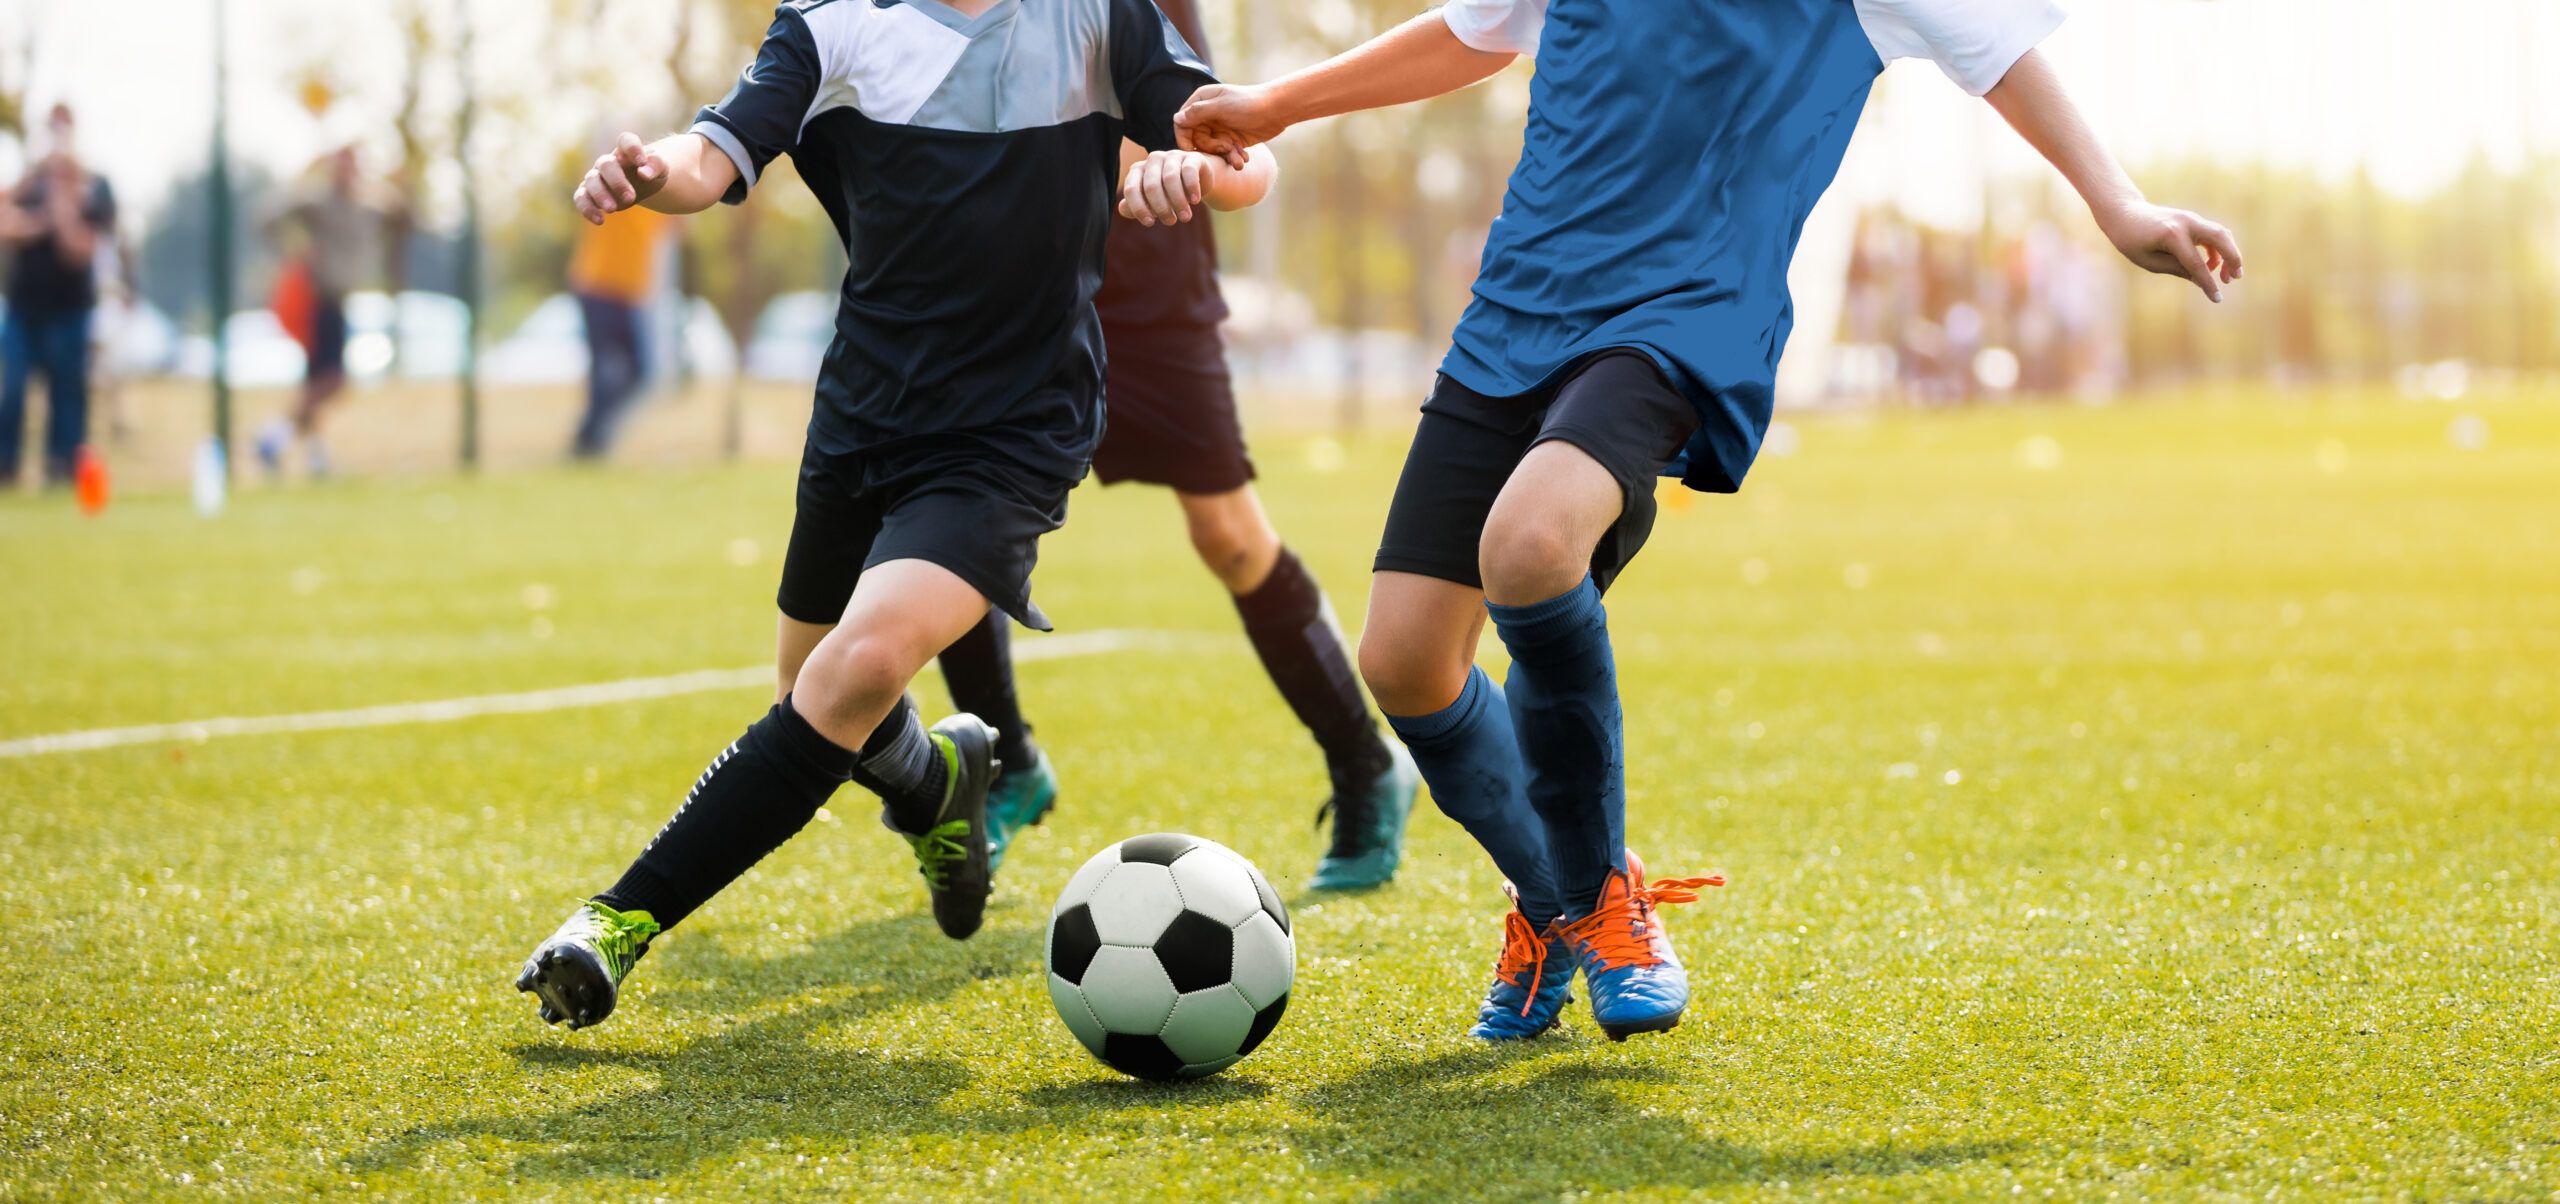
column 212, row 483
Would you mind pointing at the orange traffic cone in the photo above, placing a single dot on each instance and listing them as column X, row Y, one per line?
column 89, row 480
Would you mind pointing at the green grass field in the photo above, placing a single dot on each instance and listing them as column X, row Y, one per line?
column 2154, row 801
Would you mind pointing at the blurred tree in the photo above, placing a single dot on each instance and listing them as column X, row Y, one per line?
column 171, row 270
column 17, row 68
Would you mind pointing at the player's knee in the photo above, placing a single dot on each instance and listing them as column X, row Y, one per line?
column 1406, row 681
column 1233, row 546
column 1529, row 558
column 852, row 675
column 1222, row 545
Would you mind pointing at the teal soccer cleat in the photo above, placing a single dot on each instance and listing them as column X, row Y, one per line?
column 1532, row 981
column 1020, row 799
column 1636, row 980
column 1368, row 828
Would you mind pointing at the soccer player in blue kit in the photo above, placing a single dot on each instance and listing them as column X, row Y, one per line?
column 1627, row 322
column 966, row 151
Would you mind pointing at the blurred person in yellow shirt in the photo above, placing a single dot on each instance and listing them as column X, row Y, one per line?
column 613, row 273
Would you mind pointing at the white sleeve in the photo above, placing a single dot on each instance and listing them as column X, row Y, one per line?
column 1497, row 26
column 1974, row 41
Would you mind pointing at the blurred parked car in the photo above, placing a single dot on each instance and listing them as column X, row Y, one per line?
column 262, row 354
column 550, row 346
column 791, row 337
column 431, row 328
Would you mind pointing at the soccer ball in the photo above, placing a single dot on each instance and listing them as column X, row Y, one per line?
column 1169, row 957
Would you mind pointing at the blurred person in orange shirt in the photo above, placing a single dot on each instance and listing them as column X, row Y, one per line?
column 613, row 274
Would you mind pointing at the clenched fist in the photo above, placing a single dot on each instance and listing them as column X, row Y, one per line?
column 629, row 174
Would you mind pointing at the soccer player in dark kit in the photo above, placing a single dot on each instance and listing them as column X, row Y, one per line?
column 1173, row 423
column 966, row 151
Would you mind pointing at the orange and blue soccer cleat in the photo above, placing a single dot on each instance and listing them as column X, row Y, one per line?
column 1532, row 981
column 1636, row 980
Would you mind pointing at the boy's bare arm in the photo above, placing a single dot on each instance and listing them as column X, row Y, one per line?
column 680, row 173
column 1414, row 61
column 2172, row 242
column 1164, row 188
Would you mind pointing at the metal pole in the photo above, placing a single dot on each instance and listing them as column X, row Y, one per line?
column 470, row 273
column 221, row 240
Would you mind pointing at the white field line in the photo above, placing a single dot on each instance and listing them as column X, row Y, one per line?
column 594, row 694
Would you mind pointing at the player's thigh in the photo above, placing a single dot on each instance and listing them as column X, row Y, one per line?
column 1419, row 641
column 1233, row 535
column 902, row 613
column 1582, row 498
column 908, row 611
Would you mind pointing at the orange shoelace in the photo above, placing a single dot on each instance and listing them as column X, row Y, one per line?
column 1620, row 931
column 1524, row 956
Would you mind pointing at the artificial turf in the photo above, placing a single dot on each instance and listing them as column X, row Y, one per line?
column 2156, row 800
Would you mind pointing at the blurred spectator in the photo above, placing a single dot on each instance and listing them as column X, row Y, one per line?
column 52, row 223
column 1941, row 317
column 110, row 329
column 614, row 274
column 328, row 234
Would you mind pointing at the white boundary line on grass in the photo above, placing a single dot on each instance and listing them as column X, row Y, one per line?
column 593, row 694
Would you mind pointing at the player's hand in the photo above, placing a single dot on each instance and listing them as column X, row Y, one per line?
column 629, row 174
column 1224, row 119
column 2174, row 242
column 1165, row 188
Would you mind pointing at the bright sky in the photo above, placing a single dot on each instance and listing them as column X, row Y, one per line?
column 2409, row 88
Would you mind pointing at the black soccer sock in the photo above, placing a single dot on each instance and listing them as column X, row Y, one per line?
column 978, row 670
column 756, row 794
column 901, row 764
column 1293, row 631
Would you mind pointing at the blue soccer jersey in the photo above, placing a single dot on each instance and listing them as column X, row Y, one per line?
column 1672, row 154
column 970, row 165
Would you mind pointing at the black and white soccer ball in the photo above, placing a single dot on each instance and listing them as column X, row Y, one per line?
column 1169, row 957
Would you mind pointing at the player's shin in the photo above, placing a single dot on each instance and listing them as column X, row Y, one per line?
column 1301, row 647
column 1468, row 755
column 757, row 793
column 1563, row 694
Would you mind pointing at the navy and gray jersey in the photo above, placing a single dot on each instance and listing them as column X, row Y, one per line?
column 970, row 165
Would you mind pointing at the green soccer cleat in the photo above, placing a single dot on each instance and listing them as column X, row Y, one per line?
column 1019, row 799
column 952, row 854
column 578, row 973
column 1368, row 828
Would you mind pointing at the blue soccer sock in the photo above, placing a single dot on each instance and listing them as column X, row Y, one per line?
column 1468, row 756
column 1564, row 707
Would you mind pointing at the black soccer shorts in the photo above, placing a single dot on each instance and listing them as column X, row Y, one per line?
column 1615, row 405
column 959, row 505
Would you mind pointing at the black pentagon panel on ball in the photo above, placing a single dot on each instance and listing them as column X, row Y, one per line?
column 1162, row 848
column 1263, row 1022
column 1073, row 942
column 1197, row 952
column 1271, row 903
column 1142, row 1055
